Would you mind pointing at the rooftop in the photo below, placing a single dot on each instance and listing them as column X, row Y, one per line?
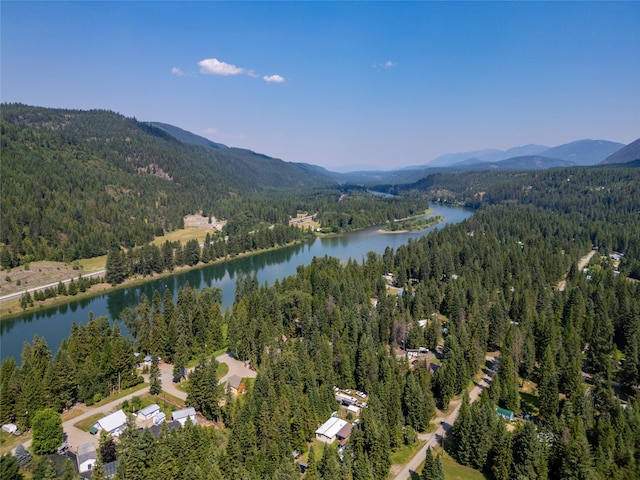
column 184, row 413
column 113, row 421
column 331, row 427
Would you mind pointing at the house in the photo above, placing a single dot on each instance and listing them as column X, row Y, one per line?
column 149, row 411
column 343, row 433
column 328, row 430
column 236, row 385
column 504, row 413
column 182, row 415
column 113, row 424
column 87, row 457
column 11, row 428
column 159, row 418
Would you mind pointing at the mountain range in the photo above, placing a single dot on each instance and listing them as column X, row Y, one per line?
column 580, row 152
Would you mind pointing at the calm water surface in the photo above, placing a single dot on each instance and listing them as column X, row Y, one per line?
column 54, row 324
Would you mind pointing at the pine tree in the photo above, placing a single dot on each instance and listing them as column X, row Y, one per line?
column 501, row 456
column 155, row 382
column 115, row 268
column 9, row 468
column 432, row 469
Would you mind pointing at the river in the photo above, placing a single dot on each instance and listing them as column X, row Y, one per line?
column 54, row 324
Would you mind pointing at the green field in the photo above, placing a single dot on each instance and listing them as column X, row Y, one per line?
column 453, row 470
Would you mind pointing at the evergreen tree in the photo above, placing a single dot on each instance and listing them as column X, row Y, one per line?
column 116, row 267
column 155, row 382
column 432, row 469
column 9, row 468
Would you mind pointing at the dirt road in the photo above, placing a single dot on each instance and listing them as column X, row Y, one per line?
column 445, row 421
column 584, row 261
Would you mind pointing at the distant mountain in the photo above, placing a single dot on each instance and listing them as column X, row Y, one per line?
column 451, row 158
column 186, row 137
column 584, row 152
column 530, row 162
column 626, row 154
column 75, row 183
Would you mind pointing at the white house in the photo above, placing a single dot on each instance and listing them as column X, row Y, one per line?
column 87, row 457
column 328, row 430
column 113, row 424
column 182, row 415
column 149, row 411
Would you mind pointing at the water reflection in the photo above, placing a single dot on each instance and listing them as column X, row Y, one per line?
column 55, row 323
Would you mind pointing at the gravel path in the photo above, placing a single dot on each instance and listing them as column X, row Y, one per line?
column 445, row 422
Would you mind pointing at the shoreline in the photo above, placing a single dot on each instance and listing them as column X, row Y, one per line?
column 7, row 306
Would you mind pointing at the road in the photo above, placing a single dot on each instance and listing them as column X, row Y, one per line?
column 584, row 261
column 99, row 273
column 445, row 421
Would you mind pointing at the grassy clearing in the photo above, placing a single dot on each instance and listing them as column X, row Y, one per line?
column 185, row 234
column 93, row 264
column 171, row 399
column 318, row 447
column 401, row 455
column 119, row 395
column 8, row 442
column 88, row 422
column 453, row 470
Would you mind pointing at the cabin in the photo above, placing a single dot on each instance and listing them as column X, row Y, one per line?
column 182, row 415
column 112, row 424
column 149, row 411
column 328, row 431
column 504, row 413
column 236, row 385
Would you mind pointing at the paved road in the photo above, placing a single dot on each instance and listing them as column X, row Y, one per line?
column 445, row 422
column 100, row 273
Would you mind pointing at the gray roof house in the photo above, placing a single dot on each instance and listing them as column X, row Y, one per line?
column 182, row 415
column 87, row 457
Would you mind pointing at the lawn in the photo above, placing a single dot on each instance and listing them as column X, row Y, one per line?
column 121, row 394
column 88, row 422
column 8, row 441
column 401, row 455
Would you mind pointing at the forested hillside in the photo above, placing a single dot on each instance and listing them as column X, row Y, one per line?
column 604, row 202
column 569, row 352
column 75, row 183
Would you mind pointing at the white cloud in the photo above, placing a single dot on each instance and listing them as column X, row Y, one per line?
column 210, row 131
column 387, row 64
column 213, row 66
column 273, row 79
column 178, row 72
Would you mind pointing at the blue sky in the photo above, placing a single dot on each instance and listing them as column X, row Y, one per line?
column 338, row 84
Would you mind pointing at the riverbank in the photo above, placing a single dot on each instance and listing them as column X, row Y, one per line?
column 11, row 308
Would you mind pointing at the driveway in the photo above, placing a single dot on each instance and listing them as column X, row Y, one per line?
column 445, row 421
column 76, row 437
column 236, row 367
